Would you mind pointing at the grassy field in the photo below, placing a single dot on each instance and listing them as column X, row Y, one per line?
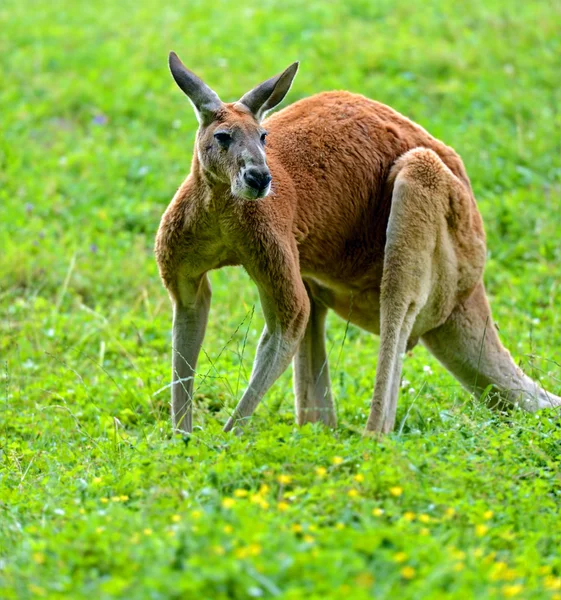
column 98, row 498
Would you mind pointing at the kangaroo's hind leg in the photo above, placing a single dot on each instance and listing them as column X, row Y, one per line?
column 396, row 381
column 312, row 387
column 416, row 262
column 468, row 345
column 396, row 323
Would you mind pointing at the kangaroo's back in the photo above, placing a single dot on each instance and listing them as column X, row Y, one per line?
column 339, row 132
column 337, row 149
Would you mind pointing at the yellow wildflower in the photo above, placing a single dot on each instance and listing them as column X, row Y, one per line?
column 488, row 514
column 38, row 558
column 115, row 498
column 408, row 572
column 123, row 498
column 296, row 528
column 400, row 557
column 396, row 491
column 500, row 571
column 284, row 479
column 352, row 493
column 409, row 516
column 196, row 514
column 283, row 506
column 241, row 493
column 509, row 591
column 377, row 512
column 147, row 531
column 228, row 502
column 321, row 471
column 552, row 583
column 308, row 539
column 459, row 566
column 450, row 512
column 359, row 477
column 339, row 525
column 481, row 530
column 97, row 480
column 228, row 529
column 250, row 550
column 424, row 518
column 337, row 460
column 176, row 518
column 264, row 489
column 104, row 500
column 424, row 531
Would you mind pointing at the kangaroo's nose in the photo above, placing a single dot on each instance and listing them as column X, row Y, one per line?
column 257, row 179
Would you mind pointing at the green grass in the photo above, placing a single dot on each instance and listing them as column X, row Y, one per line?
column 98, row 499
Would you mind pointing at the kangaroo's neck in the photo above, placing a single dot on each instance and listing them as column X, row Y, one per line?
column 204, row 189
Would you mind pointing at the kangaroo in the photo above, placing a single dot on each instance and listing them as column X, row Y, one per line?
column 336, row 202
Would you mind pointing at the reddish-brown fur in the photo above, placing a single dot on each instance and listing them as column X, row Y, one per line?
column 341, row 164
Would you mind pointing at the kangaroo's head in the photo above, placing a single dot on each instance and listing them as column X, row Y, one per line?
column 231, row 140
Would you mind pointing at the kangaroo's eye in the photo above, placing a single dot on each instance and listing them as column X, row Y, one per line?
column 223, row 138
column 264, row 138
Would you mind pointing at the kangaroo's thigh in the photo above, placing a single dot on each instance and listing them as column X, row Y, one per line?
column 415, row 259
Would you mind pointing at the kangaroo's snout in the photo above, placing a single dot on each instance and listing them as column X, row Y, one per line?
column 258, row 179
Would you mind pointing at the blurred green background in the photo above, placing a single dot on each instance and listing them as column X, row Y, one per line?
column 94, row 139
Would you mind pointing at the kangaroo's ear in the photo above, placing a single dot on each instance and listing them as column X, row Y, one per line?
column 205, row 101
column 268, row 94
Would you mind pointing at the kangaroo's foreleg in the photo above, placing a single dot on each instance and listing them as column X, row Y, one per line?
column 468, row 345
column 312, row 387
column 191, row 305
column 286, row 309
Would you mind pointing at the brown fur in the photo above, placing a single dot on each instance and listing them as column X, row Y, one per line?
column 368, row 215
